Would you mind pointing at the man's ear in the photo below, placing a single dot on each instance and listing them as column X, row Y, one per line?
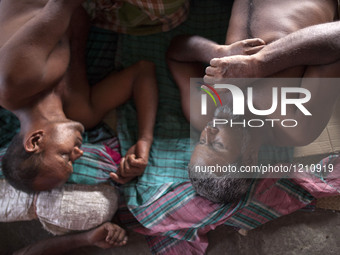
column 34, row 141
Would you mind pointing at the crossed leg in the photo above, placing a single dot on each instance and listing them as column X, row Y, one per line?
column 187, row 57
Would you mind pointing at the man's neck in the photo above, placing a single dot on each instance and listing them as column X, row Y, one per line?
column 47, row 109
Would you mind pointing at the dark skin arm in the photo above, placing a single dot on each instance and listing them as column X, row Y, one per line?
column 89, row 106
column 145, row 95
column 105, row 236
column 36, row 53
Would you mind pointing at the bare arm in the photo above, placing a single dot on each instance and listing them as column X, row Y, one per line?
column 138, row 82
column 90, row 104
column 105, row 236
column 29, row 49
column 145, row 94
column 315, row 45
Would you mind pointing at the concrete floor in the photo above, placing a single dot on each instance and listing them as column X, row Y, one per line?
column 299, row 233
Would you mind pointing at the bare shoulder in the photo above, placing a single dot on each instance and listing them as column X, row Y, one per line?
column 15, row 13
column 24, row 71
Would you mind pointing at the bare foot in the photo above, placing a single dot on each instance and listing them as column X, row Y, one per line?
column 244, row 47
column 235, row 61
column 107, row 235
column 232, row 67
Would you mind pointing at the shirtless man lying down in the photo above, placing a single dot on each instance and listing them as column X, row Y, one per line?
column 43, row 82
column 270, row 21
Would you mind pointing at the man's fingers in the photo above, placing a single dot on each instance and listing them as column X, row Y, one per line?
column 126, row 167
column 130, row 159
column 115, row 177
column 121, row 168
column 110, row 234
column 254, row 42
column 118, row 178
column 120, row 235
column 254, row 50
column 115, row 236
column 122, row 238
column 137, row 162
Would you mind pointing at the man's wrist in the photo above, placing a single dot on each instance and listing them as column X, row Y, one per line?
column 146, row 139
column 86, row 238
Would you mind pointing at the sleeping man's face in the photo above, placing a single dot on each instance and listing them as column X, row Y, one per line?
column 61, row 148
column 220, row 145
column 219, row 148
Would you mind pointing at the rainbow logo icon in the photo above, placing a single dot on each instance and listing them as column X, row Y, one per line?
column 204, row 98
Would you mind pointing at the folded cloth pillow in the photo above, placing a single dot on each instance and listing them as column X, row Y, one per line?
column 72, row 207
column 76, row 207
column 15, row 205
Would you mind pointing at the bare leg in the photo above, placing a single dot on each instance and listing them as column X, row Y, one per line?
column 185, row 57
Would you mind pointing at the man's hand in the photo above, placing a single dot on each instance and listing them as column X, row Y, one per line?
column 134, row 162
column 107, row 235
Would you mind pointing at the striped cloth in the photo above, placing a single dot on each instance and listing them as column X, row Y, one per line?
column 179, row 220
column 137, row 17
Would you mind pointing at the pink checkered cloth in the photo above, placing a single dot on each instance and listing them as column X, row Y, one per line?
column 179, row 220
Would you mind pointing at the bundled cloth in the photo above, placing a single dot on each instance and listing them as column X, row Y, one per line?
column 73, row 207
